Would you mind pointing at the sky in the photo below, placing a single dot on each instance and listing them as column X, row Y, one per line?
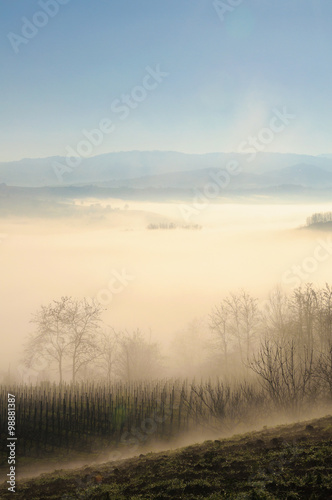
column 181, row 75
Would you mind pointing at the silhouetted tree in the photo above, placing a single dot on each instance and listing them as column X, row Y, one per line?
column 236, row 320
column 65, row 329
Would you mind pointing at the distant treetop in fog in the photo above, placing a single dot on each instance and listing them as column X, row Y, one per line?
column 319, row 217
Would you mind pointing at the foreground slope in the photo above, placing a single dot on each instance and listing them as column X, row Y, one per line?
column 285, row 462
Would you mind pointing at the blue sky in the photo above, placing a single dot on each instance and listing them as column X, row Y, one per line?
column 225, row 77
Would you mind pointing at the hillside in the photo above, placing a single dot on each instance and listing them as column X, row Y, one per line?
column 285, row 462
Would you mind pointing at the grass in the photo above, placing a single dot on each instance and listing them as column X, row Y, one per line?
column 285, row 462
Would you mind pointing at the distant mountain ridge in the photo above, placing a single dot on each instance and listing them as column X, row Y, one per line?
column 126, row 168
column 302, row 175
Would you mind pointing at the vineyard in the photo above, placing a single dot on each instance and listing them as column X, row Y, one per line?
column 274, row 363
column 53, row 419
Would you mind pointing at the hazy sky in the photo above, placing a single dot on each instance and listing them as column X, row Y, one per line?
column 226, row 73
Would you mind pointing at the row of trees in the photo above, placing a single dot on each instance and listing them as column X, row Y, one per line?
column 172, row 225
column 240, row 322
column 235, row 323
column 70, row 335
column 319, row 217
column 287, row 342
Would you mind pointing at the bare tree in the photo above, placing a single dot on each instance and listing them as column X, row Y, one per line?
column 324, row 369
column 51, row 340
column 286, row 372
column 249, row 318
column 219, row 325
column 137, row 358
column 305, row 317
column 304, row 304
column 324, row 318
column 108, row 343
column 66, row 330
column 236, row 320
column 276, row 318
column 84, row 323
column 224, row 405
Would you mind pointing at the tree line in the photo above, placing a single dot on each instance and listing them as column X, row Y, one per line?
column 318, row 218
column 70, row 336
column 286, row 342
